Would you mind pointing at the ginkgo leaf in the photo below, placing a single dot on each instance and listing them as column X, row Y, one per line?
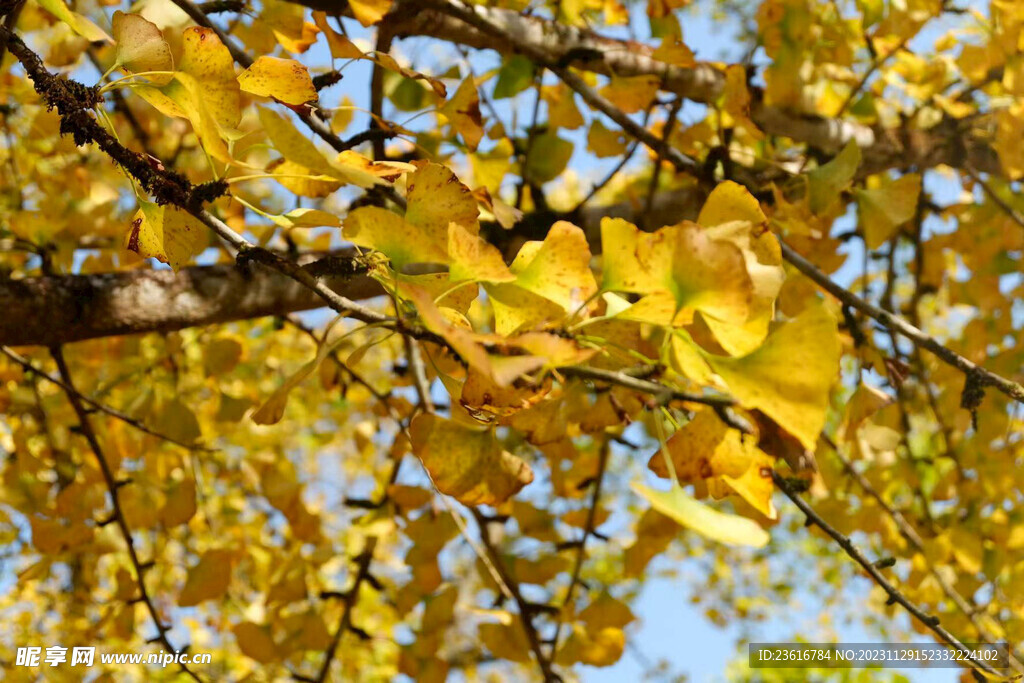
column 166, row 233
column 790, row 375
column 472, row 258
column 885, row 208
column 865, row 402
column 705, row 520
column 207, row 580
column 397, row 238
column 272, row 409
column 704, row 447
column 463, row 110
column 256, row 642
column 303, row 181
column 607, row 611
column 549, row 155
column 81, row 24
column 303, row 158
column 701, row 272
column 559, row 268
column 284, row 80
column 181, row 503
column 826, row 182
column 468, row 464
column 292, row 144
column 730, row 202
column 502, row 370
column 631, row 93
column 369, row 12
column 204, row 91
column 605, row 142
column 141, row 47
column 600, row 647
column 341, row 47
column 506, row 641
column 516, row 309
column 207, row 60
column 306, row 218
column 436, row 198
column 674, row 52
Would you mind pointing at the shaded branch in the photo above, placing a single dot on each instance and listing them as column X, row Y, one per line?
column 976, row 374
column 96, row 405
column 113, row 489
column 908, row 532
column 893, row 593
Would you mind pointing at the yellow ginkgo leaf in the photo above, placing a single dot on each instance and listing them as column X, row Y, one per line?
column 369, row 12
column 755, row 485
column 558, row 268
column 505, row 641
column 166, row 233
column 436, row 198
column 463, row 110
column 472, row 258
column 141, row 47
column 600, row 647
column 395, row 237
column 704, row 447
column 285, row 80
column 256, row 642
column 502, row 370
column 828, row 181
column 80, row 23
column 303, row 181
column 631, row 93
column 885, row 208
column 465, row 463
column 790, row 375
column 605, row 142
column 730, row 202
column 700, row 271
column 208, row 61
column 865, row 402
column 516, row 308
column 705, row 520
column 272, row 409
column 207, row 580
column 293, row 145
column 341, row 47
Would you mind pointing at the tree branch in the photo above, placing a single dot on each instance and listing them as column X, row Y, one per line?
column 550, row 42
column 96, row 405
column 113, row 488
column 895, row 596
column 59, row 309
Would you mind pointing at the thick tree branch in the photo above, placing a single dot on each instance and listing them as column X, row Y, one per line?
column 59, row 309
column 551, row 43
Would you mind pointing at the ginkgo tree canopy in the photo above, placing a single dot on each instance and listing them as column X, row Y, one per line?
column 385, row 338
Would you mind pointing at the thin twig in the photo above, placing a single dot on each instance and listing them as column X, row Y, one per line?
column 967, row 607
column 950, row 357
column 351, row 596
column 525, row 613
column 113, row 488
column 471, row 16
column 96, row 405
column 893, row 593
column 581, row 554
